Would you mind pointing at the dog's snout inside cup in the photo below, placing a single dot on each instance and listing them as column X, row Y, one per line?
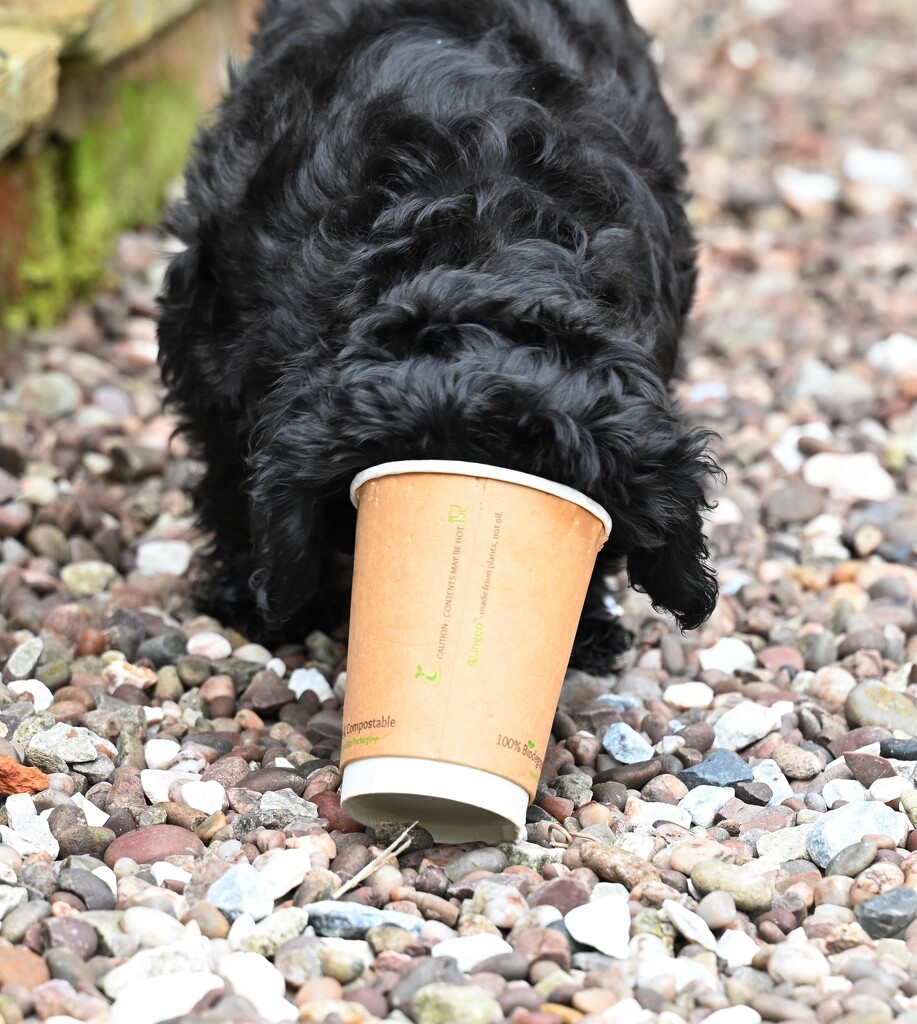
column 468, row 586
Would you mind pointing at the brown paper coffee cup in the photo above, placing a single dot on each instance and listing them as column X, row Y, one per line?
column 468, row 586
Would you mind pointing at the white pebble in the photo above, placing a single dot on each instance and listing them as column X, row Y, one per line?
column 683, row 971
column 162, row 870
column 894, row 355
column 40, row 695
column 728, row 655
column 160, row 753
column 258, row 980
column 470, row 950
column 808, row 194
column 797, row 964
column 688, row 696
column 27, row 832
column 737, row 948
column 94, row 815
column 889, row 790
column 208, row 797
column 151, row 1000
column 629, row 1011
column 277, row 666
column 770, row 773
column 854, row 476
column 692, row 926
column 878, row 167
column 702, row 803
column 646, row 812
column 157, row 783
column 170, row 557
column 302, row 679
column 253, row 652
column 734, row 1015
column 747, row 722
column 283, row 870
column 151, row 927
column 603, row 924
column 209, row 645
column 848, row 790
column 626, row 745
column 108, row 876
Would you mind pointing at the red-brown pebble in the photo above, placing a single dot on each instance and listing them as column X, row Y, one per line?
column 329, row 806
column 152, row 843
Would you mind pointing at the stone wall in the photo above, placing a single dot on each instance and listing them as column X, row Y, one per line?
column 99, row 100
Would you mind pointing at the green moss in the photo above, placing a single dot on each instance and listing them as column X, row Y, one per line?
column 83, row 194
column 41, row 273
column 119, row 168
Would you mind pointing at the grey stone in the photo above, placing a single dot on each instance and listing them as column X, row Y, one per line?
column 353, row 921
column 24, row 658
column 888, row 914
column 435, row 970
column 625, row 744
column 722, row 768
column 241, row 890
column 852, row 859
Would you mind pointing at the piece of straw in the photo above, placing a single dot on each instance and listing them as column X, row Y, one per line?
column 394, row 850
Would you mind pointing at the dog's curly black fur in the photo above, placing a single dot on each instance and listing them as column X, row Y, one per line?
column 430, row 229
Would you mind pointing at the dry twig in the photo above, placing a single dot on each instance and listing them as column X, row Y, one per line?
column 394, row 850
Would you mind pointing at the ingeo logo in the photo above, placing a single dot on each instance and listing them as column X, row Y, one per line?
column 431, row 677
column 458, row 513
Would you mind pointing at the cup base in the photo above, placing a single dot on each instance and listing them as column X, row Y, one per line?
column 454, row 803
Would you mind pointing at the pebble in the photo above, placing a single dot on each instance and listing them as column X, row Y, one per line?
column 23, row 659
column 27, row 833
column 703, row 802
column 692, row 926
column 798, row 964
column 721, row 768
column 839, row 828
column 688, row 696
column 149, row 1000
column 872, row 703
column 850, row 477
column 626, row 744
column 87, row 578
column 786, row 844
column 304, row 680
column 352, row 921
column 727, row 655
column 470, row 950
column 889, row 913
column 796, row 763
column 439, row 1002
column 852, row 859
column 742, row 725
column 171, row 557
column 749, row 892
column 603, row 924
column 257, row 980
column 241, row 890
column 717, row 909
column 211, row 646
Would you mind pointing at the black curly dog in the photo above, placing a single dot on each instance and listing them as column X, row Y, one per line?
column 435, row 229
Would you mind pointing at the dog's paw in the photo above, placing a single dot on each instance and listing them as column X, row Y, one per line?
column 600, row 639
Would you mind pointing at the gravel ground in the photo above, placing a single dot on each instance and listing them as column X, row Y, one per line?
column 725, row 830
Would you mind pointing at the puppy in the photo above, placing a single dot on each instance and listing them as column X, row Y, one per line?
column 428, row 229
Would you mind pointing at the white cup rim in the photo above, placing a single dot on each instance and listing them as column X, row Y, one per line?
column 480, row 469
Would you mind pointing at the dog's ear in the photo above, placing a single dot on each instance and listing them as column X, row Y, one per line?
column 673, row 567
